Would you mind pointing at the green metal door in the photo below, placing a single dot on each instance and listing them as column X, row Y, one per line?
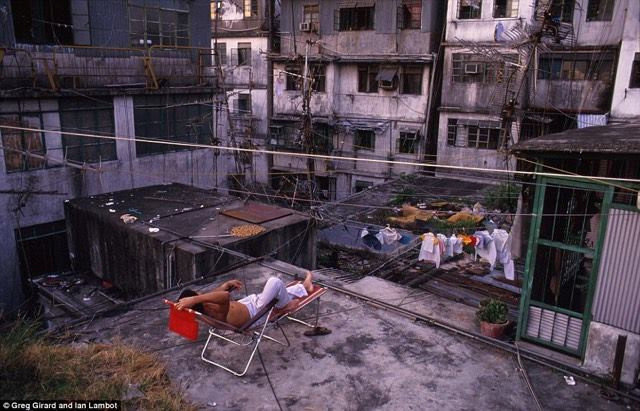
column 562, row 262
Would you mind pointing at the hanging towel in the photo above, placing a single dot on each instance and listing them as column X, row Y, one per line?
column 485, row 247
column 442, row 243
column 456, row 244
column 430, row 249
column 389, row 235
column 502, row 241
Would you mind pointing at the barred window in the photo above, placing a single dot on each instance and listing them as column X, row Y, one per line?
column 471, row 68
column 182, row 118
column 473, row 133
column 364, row 140
column 367, row 74
column 354, row 19
column 569, row 66
column 87, row 116
column 469, row 9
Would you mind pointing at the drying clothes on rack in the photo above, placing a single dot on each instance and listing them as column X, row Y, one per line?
column 485, row 247
column 502, row 241
column 442, row 243
column 430, row 249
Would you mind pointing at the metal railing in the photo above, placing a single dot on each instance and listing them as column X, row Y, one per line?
column 86, row 67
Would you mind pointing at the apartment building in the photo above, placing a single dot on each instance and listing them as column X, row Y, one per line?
column 370, row 65
column 579, row 73
column 240, row 36
column 139, row 70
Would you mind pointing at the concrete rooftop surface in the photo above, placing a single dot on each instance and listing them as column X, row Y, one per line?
column 373, row 359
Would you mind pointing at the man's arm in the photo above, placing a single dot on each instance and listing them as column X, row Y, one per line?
column 219, row 295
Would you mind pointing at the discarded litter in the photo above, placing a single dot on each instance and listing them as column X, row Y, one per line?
column 569, row 380
column 128, row 218
column 111, row 210
column 153, row 229
column 212, row 404
column 110, row 203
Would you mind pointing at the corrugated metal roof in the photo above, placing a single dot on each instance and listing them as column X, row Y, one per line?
column 617, row 296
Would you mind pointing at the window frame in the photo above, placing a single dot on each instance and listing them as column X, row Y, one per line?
column 220, row 53
column 309, row 11
column 367, row 74
column 634, row 78
column 492, row 72
column 359, row 18
column 508, row 9
column 411, row 70
column 407, row 142
column 244, row 56
column 466, row 12
column 27, row 163
column 250, row 9
column 170, row 30
column 406, row 17
column 562, row 67
column 595, row 13
column 477, row 134
column 359, row 137
column 78, row 110
column 563, row 10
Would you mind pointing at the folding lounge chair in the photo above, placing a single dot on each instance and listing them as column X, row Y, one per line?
column 248, row 335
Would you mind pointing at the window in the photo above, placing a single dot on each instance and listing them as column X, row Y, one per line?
column 634, row 82
column 87, row 116
column 407, row 143
column 471, row 68
column 505, row 8
column 364, row 140
column 152, row 26
column 562, row 10
column 411, row 80
column 469, row 9
column 367, row 75
column 473, row 133
column 183, row 118
column 355, row 18
column 244, row 54
column 362, row 185
column 43, row 248
column 18, row 143
column 577, row 67
column 311, row 15
column 409, row 14
column 316, row 73
column 221, row 54
column 322, row 138
column 42, row 22
column 244, row 104
column 600, row 10
column 250, row 8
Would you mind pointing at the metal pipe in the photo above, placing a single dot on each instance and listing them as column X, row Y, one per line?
column 618, row 360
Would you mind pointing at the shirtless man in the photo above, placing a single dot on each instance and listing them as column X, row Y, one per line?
column 218, row 304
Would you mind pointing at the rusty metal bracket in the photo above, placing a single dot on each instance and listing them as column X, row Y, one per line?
column 152, row 80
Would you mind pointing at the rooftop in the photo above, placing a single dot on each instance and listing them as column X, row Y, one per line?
column 614, row 138
column 374, row 358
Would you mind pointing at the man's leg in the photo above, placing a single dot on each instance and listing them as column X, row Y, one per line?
column 274, row 288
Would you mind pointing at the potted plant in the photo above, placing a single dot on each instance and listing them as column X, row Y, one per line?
column 492, row 315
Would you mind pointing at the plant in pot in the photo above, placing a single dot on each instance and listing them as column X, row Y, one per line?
column 492, row 315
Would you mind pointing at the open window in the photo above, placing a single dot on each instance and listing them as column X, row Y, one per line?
column 42, row 21
column 355, row 18
column 387, row 78
column 407, row 143
column 364, row 139
column 469, row 9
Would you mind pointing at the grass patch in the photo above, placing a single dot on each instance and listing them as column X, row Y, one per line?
column 34, row 368
column 502, row 197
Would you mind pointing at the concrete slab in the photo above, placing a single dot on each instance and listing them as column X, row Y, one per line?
column 373, row 359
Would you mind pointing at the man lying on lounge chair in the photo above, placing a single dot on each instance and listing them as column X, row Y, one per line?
column 218, row 304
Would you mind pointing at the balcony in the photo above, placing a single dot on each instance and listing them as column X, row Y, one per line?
column 84, row 67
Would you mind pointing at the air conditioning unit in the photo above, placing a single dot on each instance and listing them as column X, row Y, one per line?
column 387, row 84
column 472, row 68
column 306, row 26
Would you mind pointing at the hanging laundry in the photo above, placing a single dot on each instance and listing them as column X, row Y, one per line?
column 371, row 240
column 405, row 239
column 456, row 245
column 430, row 249
column 389, row 235
column 485, row 247
column 502, row 241
column 442, row 243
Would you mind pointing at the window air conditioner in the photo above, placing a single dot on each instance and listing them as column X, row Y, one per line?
column 472, row 68
column 387, row 84
column 305, row 26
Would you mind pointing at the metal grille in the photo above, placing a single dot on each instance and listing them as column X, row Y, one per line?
column 557, row 328
column 617, row 296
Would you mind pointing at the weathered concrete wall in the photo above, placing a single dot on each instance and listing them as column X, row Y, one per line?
column 626, row 100
column 601, row 349
column 579, row 96
column 198, row 167
column 386, row 38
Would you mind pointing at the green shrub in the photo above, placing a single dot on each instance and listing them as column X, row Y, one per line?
column 492, row 311
column 502, row 197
